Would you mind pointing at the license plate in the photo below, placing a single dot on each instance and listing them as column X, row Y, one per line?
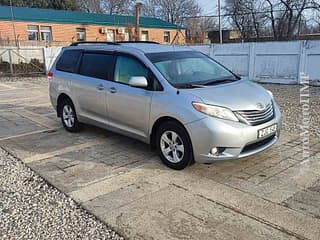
column 267, row 131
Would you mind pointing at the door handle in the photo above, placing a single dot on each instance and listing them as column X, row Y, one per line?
column 112, row 90
column 100, row 87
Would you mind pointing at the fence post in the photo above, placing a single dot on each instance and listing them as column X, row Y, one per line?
column 44, row 61
column 211, row 48
column 302, row 60
column 251, row 61
column 10, row 62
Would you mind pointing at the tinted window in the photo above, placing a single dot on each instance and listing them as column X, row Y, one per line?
column 127, row 67
column 68, row 61
column 96, row 65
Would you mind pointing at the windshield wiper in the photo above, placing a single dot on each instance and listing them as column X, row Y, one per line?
column 189, row 85
column 219, row 81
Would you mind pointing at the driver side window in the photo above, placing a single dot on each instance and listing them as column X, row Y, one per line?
column 127, row 67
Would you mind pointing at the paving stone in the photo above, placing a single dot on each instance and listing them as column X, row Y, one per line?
column 306, row 201
column 42, row 109
column 173, row 213
column 41, row 143
column 271, row 171
column 101, row 205
column 14, row 124
column 122, row 178
column 272, row 195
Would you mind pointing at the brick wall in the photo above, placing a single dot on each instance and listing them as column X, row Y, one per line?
column 67, row 32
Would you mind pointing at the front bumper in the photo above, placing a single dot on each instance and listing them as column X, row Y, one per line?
column 237, row 139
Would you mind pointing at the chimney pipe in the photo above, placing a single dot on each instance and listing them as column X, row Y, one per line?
column 137, row 21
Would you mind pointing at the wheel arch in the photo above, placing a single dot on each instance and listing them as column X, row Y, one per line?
column 61, row 98
column 158, row 123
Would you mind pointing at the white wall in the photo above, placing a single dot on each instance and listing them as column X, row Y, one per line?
column 50, row 54
column 18, row 55
column 281, row 62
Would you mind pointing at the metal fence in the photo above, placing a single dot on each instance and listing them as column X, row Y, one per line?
column 22, row 61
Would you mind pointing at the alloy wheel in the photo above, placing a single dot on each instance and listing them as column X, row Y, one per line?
column 172, row 146
column 68, row 116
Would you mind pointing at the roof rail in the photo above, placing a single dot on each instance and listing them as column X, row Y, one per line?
column 93, row 42
column 148, row 42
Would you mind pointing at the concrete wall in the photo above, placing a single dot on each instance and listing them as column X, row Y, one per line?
column 280, row 62
column 19, row 55
column 50, row 54
column 15, row 60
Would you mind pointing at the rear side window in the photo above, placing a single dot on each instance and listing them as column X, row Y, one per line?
column 68, row 61
column 97, row 65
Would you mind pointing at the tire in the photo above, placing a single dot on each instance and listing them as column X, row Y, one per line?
column 69, row 116
column 174, row 145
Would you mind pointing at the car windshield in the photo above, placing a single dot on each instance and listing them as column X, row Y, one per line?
column 190, row 69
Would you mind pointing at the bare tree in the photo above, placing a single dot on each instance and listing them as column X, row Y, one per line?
column 284, row 18
column 118, row 6
column 287, row 16
column 171, row 11
column 92, row 6
column 199, row 27
column 242, row 15
column 107, row 6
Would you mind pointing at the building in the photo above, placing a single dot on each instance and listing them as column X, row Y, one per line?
column 227, row 36
column 33, row 26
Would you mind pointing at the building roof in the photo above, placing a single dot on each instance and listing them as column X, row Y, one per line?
column 25, row 14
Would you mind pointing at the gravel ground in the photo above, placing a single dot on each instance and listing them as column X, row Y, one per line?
column 288, row 97
column 32, row 209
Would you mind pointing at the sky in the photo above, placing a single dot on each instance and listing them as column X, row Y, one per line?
column 209, row 7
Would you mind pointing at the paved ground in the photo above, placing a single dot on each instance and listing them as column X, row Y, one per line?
column 289, row 100
column 273, row 195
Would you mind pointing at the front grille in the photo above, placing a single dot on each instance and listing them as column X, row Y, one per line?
column 257, row 117
column 254, row 146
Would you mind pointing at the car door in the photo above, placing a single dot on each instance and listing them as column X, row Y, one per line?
column 129, row 107
column 91, row 84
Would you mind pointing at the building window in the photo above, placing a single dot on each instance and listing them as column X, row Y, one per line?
column 126, row 36
column 110, row 35
column 166, row 38
column 81, row 34
column 144, row 36
column 33, row 32
column 46, row 33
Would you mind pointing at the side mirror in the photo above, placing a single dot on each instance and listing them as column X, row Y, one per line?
column 140, row 82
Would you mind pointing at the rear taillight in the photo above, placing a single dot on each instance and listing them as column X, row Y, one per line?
column 50, row 75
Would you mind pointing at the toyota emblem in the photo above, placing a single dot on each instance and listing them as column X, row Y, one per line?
column 260, row 106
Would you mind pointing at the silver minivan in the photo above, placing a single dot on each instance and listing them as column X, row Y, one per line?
column 183, row 103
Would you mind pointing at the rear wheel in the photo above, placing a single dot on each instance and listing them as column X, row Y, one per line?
column 174, row 145
column 68, row 116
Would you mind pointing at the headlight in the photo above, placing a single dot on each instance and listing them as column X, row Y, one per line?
column 215, row 111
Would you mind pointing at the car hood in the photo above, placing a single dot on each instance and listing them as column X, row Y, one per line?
column 239, row 95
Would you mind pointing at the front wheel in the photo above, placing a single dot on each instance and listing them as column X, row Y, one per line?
column 68, row 116
column 174, row 146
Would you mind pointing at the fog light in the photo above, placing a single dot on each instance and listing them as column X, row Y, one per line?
column 214, row 151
